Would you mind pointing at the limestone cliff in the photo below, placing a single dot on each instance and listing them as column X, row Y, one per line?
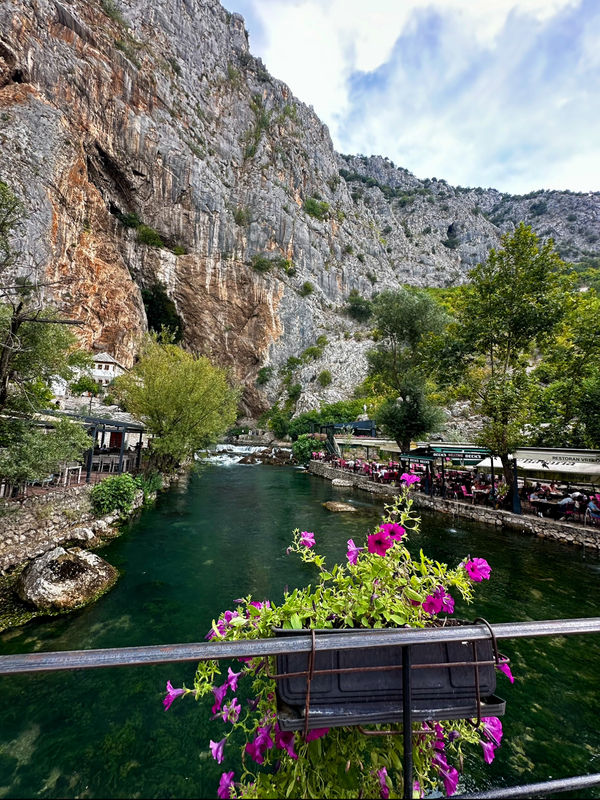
column 150, row 147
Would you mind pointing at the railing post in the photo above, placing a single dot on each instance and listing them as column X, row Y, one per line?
column 407, row 721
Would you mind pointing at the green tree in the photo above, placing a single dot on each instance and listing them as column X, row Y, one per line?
column 83, row 384
column 508, row 314
column 30, row 453
column 183, row 400
column 303, row 447
column 407, row 321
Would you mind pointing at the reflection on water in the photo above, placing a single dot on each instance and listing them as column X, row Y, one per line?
column 221, row 535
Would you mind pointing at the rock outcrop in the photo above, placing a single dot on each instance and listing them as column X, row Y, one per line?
column 61, row 580
column 152, row 149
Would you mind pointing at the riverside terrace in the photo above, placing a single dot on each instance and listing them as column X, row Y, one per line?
column 558, row 502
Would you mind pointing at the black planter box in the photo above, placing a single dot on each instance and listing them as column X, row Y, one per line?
column 366, row 698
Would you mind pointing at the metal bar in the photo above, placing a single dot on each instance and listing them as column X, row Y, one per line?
column 407, row 766
column 342, row 640
column 535, row 789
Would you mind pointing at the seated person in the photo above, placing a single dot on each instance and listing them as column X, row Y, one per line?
column 594, row 509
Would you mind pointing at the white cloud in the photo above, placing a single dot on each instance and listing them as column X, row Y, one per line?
column 480, row 92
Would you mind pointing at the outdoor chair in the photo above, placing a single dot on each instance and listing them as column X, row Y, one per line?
column 466, row 494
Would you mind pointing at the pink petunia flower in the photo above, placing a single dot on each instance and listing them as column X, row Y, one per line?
column 409, row 478
column 307, row 538
column 232, row 711
column 216, row 748
column 232, row 679
column 379, row 543
column 506, row 670
column 446, row 599
column 492, row 727
column 171, row 695
column 225, row 784
column 219, row 693
column 384, row 792
column 488, row 751
column 353, row 551
column 478, row 569
column 316, row 733
column 432, row 605
column 392, row 530
column 284, row 740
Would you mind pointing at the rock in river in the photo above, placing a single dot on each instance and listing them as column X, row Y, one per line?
column 61, row 580
column 333, row 505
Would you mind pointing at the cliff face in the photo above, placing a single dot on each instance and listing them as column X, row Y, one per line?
column 112, row 115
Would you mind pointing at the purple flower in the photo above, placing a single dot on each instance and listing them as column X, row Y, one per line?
column 446, row 599
column 219, row 693
column 171, row 695
column 409, row 478
column 417, row 789
column 383, row 791
column 379, row 543
column 284, row 740
column 478, row 569
column 259, row 605
column 454, row 735
column 450, row 781
column 488, row 751
column 224, row 790
column 506, row 670
column 307, row 538
column 232, row 711
column 232, row 679
column 316, row 733
column 216, row 748
column 222, row 625
column 255, row 751
column 263, row 737
column 393, row 530
column 353, row 551
column 432, row 604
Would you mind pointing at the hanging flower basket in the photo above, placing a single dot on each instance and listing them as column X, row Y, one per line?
column 363, row 686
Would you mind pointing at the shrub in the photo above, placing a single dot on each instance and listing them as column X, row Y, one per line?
column 357, row 307
column 113, row 494
column 241, row 216
column 147, row 235
column 316, row 208
column 179, row 250
column 149, row 484
column 112, row 10
column 294, row 392
column 324, row 378
column 130, row 220
column 261, row 263
column 303, row 447
column 264, row 375
column 361, row 258
column 306, row 289
column 538, row 208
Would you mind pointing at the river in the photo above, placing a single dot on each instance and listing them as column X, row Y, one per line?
column 222, row 534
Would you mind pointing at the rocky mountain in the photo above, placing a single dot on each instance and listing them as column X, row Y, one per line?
column 159, row 161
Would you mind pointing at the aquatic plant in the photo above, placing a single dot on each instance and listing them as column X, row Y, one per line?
column 380, row 586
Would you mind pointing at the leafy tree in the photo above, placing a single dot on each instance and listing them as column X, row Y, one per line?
column 407, row 321
column 510, row 311
column 183, row 400
column 409, row 416
column 29, row 453
column 342, row 411
column 83, row 384
column 358, row 307
column 566, row 403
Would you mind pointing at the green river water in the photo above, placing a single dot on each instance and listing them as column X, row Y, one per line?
column 223, row 534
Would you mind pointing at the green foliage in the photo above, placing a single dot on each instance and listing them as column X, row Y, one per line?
column 410, row 415
column 279, row 421
column 303, row 447
column 264, row 375
column 116, row 493
column 539, row 208
column 147, row 235
column 357, row 307
column 306, row 289
column 183, row 400
column 130, row 49
column 178, row 250
column 294, row 392
column 324, row 378
column 161, row 312
column 403, row 197
column 130, row 220
column 85, row 383
column 261, row 263
column 342, row 411
column 262, row 122
column 112, row 10
column 28, row 453
column 149, row 484
column 12, row 214
column 316, row 208
column 241, row 216
column 292, row 363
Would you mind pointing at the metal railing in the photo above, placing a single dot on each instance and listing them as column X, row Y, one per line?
column 404, row 638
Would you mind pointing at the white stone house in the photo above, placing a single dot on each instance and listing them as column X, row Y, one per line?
column 105, row 369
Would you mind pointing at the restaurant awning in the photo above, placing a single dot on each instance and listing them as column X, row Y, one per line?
column 550, row 467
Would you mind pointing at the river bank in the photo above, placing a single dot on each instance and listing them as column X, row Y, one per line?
column 543, row 528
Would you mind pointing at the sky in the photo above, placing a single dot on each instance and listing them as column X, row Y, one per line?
column 500, row 93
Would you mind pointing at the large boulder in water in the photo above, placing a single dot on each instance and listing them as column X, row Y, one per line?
column 61, row 580
column 334, row 505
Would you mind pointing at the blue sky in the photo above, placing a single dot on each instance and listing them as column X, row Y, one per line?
column 502, row 93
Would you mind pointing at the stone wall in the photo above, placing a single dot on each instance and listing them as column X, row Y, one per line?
column 565, row 532
column 33, row 525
